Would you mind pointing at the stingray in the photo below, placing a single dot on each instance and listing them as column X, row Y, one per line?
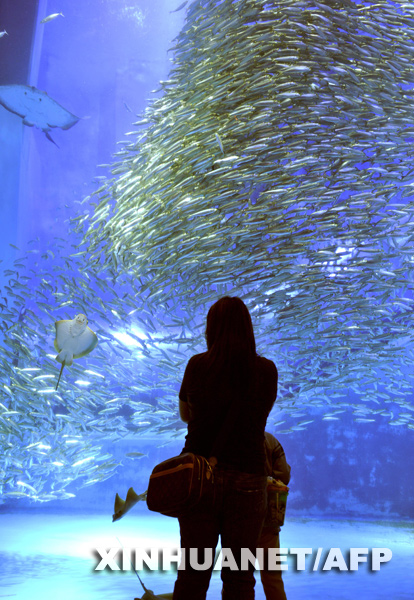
column 123, row 506
column 73, row 340
column 36, row 108
column 149, row 594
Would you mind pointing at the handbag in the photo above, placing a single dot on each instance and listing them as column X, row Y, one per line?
column 176, row 485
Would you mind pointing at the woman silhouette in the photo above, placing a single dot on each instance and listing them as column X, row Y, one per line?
column 228, row 379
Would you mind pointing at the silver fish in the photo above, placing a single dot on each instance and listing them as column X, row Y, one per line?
column 301, row 205
column 51, row 17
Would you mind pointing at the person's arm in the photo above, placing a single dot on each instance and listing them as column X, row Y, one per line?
column 280, row 467
column 184, row 411
column 182, row 395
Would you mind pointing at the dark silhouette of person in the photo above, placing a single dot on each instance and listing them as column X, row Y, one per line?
column 277, row 468
column 230, row 376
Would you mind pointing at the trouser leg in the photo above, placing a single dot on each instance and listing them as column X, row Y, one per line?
column 272, row 581
column 242, row 518
column 199, row 532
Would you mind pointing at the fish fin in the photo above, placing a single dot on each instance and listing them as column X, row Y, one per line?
column 72, row 122
column 123, row 506
column 62, row 329
column 131, row 499
column 119, row 503
column 28, row 123
column 84, row 343
column 14, row 111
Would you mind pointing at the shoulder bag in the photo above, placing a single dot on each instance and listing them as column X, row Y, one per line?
column 176, row 485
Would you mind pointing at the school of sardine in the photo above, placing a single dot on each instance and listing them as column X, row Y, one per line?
column 276, row 165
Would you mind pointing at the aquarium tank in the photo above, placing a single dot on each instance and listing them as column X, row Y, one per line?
column 156, row 155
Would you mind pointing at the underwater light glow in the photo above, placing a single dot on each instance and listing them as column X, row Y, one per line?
column 26, row 485
column 94, row 373
column 346, row 252
column 126, row 339
column 82, row 461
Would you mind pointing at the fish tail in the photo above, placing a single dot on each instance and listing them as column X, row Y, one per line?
column 49, row 137
column 136, row 572
column 61, row 369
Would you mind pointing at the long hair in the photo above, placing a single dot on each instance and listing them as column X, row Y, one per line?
column 231, row 346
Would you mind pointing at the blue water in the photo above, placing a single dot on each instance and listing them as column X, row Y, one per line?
column 51, row 556
column 101, row 61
